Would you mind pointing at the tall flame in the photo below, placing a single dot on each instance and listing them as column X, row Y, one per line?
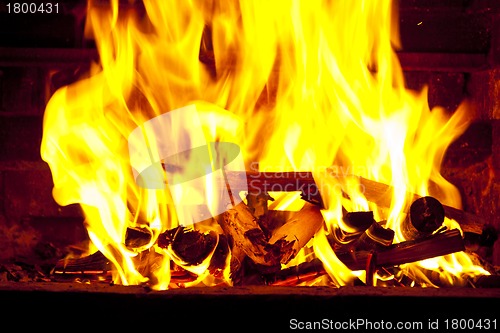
column 308, row 85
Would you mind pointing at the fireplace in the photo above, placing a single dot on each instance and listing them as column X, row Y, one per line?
column 449, row 52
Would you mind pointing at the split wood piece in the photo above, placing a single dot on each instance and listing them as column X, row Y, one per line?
column 244, row 232
column 219, row 257
column 301, row 273
column 436, row 245
column 94, row 264
column 371, row 268
column 378, row 193
column 441, row 278
column 97, row 268
column 297, row 232
column 295, row 275
column 291, row 276
column 137, row 237
column 375, row 238
column 357, row 223
column 237, row 265
column 258, row 204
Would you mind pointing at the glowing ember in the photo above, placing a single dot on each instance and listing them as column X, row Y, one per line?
column 296, row 85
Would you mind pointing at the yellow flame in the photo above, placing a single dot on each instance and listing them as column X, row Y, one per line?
column 311, row 84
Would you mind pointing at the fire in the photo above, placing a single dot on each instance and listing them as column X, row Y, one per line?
column 296, row 85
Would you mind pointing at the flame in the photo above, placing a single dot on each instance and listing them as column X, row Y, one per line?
column 298, row 85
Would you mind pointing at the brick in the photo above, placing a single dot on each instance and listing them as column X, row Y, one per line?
column 494, row 53
column 496, row 145
column 473, row 146
column 444, row 89
column 20, row 138
column 42, row 241
column 28, row 193
column 2, row 195
column 21, row 90
column 446, row 30
column 479, row 189
column 483, row 87
column 59, row 231
column 37, row 30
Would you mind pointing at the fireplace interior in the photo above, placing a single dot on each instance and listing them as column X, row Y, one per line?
column 449, row 47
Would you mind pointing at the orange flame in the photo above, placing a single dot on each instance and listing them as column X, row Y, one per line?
column 307, row 85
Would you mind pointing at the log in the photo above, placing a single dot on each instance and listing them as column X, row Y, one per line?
column 93, row 264
column 297, row 231
column 371, row 268
column 426, row 216
column 244, row 232
column 357, row 222
column 136, row 238
column 218, row 260
column 376, row 192
column 189, row 245
column 374, row 238
column 440, row 244
column 96, row 268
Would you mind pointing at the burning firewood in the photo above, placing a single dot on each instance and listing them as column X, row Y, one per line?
column 371, row 268
column 258, row 246
column 292, row 276
column 284, row 242
column 372, row 240
column 439, row 244
column 426, row 216
column 297, row 232
column 94, row 267
column 376, row 237
column 357, row 223
column 219, row 257
column 244, row 232
column 137, row 237
column 191, row 246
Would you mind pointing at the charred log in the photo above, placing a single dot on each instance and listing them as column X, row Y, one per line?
column 376, row 237
column 219, row 257
column 447, row 242
column 426, row 216
column 371, row 268
column 357, row 223
column 190, row 245
column 94, row 267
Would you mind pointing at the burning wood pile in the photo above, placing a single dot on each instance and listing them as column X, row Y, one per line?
column 254, row 245
column 304, row 88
